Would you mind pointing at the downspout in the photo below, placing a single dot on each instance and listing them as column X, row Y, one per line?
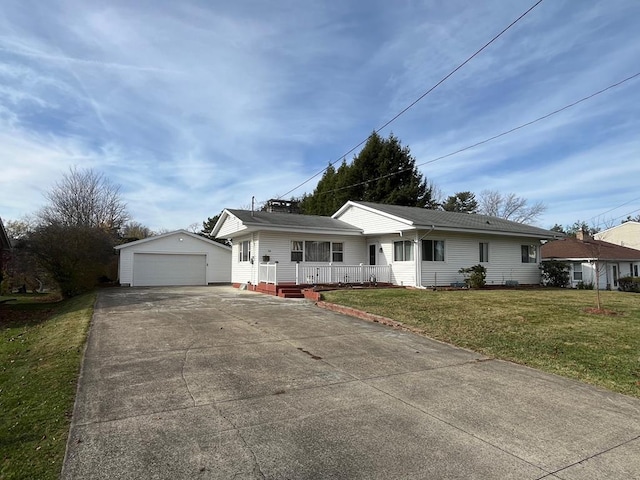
column 418, row 257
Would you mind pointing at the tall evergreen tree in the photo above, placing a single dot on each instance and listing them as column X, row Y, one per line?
column 384, row 172
column 464, row 202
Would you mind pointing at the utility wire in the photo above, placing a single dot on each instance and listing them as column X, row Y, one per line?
column 377, row 130
column 612, row 209
column 605, row 222
column 487, row 140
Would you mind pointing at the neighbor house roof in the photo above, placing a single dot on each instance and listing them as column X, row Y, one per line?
column 181, row 232
column 572, row 248
column 452, row 221
column 258, row 220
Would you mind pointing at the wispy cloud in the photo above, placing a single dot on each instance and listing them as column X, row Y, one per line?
column 193, row 108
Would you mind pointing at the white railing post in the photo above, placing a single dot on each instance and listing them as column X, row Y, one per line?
column 297, row 274
column 275, row 273
column 362, row 273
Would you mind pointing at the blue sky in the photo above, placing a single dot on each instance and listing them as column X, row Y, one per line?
column 196, row 106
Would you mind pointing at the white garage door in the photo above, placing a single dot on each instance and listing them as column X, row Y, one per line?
column 151, row 269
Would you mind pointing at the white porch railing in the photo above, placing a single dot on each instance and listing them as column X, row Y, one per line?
column 268, row 273
column 329, row 274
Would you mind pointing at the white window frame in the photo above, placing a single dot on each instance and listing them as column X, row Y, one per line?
column 337, row 252
column 297, row 248
column 308, row 251
column 434, row 250
column 406, row 251
column 577, row 269
column 483, row 252
column 532, row 253
column 244, row 251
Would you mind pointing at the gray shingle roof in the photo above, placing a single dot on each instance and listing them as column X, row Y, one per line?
column 423, row 217
column 292, row 220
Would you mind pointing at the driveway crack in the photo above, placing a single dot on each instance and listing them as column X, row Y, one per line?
column 184, row 379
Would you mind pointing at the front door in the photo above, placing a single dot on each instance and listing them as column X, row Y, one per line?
column 615, row 275
column 372, row 254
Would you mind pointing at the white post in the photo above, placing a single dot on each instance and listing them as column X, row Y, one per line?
column 361, row 273
column 297, row 274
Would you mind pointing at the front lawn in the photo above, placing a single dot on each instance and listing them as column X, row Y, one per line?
column 546, row 329
column 41, row 345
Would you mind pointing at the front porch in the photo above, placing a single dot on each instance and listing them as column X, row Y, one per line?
column 330, row 274
column 309, row 277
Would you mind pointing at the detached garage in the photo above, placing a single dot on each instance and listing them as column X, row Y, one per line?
column 175, row 258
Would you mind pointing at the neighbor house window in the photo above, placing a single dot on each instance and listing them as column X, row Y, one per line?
column 433, row 250
column 577, row 272
column 403, row 251
column 484, row 252
column 245, row 251
column 317, row 251
column 296, row 251
column 635, row 270
column 336, row 252
column 529, row 254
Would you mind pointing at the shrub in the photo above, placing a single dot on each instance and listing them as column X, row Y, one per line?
column 555, row 273
column 585, row 286
column 629, row 284
column 474, row 277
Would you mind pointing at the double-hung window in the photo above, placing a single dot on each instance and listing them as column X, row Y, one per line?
column 484, row 252
column 245, row 251
column 433, row 250
column 403, row 251
column 577, row 272
column 297, row 247
column 529, row 253
column 337, row 252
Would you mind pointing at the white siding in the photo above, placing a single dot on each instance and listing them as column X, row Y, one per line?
column 230, row 225
column 462, row 251
column 371, row 222
column 242, row 272
column 218, row 269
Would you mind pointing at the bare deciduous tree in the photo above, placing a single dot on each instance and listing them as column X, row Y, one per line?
column 85, row 198
column 135, row 230
column 509, row 206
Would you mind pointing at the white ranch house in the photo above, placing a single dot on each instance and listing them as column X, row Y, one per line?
column 364, row 242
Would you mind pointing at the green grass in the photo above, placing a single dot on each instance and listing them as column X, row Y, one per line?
column 41, row 346
column 546, row 329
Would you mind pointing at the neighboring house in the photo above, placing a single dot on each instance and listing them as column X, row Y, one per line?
column 365, row 242
column 175, row 258
column 626, row 234
column 593, row 261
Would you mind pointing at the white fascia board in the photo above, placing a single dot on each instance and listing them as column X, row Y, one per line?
column 223, row 216
column 315, row 231
column 175, row 232
column 485, row 232
column 351, row 204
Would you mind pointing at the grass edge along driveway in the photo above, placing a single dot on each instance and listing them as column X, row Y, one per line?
column 547, row 329
column 40, row 353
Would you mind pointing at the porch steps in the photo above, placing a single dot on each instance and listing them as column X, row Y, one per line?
column 290, row 292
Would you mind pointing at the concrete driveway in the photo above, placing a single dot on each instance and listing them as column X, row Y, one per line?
column 217, row 383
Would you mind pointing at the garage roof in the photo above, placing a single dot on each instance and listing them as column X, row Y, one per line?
column 181, row 232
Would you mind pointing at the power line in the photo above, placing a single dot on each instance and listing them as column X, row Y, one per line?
column 494, row 137
column 612, row 209
column 604, row 222
column 403, row 111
